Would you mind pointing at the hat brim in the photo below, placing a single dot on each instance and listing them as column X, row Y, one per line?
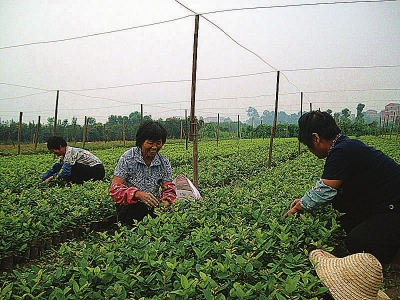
column 330, row 280
column 382, row 295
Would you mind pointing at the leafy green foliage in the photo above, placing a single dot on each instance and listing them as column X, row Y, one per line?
column 234, row 244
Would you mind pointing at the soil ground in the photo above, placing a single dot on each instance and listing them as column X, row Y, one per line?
column 391, row 279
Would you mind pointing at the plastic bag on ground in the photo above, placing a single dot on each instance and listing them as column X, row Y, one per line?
column 185, row 189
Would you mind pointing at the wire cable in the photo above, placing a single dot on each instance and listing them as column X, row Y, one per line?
column 94, row 34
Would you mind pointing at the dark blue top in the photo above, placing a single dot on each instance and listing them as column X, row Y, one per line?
column 371, row 179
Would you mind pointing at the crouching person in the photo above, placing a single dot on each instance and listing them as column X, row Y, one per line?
column 143, row 177
column 76, row 165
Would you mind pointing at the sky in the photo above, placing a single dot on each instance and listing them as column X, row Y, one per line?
column 116, row 57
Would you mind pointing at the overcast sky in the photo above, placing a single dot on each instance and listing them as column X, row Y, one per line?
column 109, row 57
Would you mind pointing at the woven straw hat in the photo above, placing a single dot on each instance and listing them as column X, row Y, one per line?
column 354, row 277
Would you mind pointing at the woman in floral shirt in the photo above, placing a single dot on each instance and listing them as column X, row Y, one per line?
column 143, row 177
column 77, row 165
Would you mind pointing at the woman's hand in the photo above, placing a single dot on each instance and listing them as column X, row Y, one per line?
column 147, row 198
column 49, row 179
column 295, row 207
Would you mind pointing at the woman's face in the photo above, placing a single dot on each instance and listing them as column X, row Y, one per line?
column 150, row 148
column 59, row 152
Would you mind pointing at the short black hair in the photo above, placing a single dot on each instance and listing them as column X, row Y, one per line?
column 55, row 142
column 317, row 122
column 150, row 130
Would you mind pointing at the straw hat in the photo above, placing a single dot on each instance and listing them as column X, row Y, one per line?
column 357, row 276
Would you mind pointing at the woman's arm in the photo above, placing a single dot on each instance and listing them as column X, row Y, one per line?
column 168, row 192
column 124, row 195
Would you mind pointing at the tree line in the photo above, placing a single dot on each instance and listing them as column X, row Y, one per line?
column 125, row 127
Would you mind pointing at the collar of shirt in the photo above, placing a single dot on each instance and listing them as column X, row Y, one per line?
column 138, row 157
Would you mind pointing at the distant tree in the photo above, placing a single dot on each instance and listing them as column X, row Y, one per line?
column 135, row 117
column 345, row 121
column 253, row 115
column 91, row 121
column 346, row 113
column 360, row 108
column 267, row 117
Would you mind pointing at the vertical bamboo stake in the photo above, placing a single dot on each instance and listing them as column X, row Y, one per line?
column 252, row 128
column 19, row 131
column 55, row 116
column 181, row 130
column 238, row 127
column 273, row 129
column 238, row 130
column 217, row 128
column 193, row 121
column 186, row 128
column 262, row 128
column 124, row 131
column 84, row 133
column 391, row 128
column 301, row 113
column 37, row 133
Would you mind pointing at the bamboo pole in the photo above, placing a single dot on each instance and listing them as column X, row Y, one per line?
column 193, row 120
column 301, row 113
column 19, row 131
column 37, row 133
column 84, row 133
column 273, row 129
column 217, row 128
column 55, row 115
column 187, row 130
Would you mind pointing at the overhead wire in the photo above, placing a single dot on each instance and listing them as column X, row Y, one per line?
column 93, row 34
column 214, row 78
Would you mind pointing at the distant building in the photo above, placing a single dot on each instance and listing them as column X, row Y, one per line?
column 371, row 115
column 392, row 111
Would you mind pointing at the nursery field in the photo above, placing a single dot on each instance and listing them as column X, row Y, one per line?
column 64, row 242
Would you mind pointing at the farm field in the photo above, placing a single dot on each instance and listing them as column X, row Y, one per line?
column 64, row 242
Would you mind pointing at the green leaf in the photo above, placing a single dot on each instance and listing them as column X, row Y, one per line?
column 184, row 282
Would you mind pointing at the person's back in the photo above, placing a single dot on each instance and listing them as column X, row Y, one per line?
column 77, row 165
column 371, row 179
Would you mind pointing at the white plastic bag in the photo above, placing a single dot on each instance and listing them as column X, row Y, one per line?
column 185, row 189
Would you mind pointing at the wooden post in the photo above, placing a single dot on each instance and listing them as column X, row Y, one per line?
column 273, row 129
column 37, row 132
column 301, row 113
column 19, row 131
column 84, row 133
column 391, row 128
column 141, row 113
column 181, row 131
column 238, row 127
column 193, row 120
column 187, row 129
column 262, row 128
column 238, row 130
column 217, row 128
column 55, row 116
column 124, row 131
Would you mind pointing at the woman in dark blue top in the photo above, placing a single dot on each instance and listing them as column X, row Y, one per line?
column 358, row 180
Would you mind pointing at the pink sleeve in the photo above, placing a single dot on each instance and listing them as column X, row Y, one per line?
column 121, row 194
column 168, row 192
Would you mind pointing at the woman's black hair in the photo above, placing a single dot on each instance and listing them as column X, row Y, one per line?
column 317, row 122
column 150, row 130
column 55, row 142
